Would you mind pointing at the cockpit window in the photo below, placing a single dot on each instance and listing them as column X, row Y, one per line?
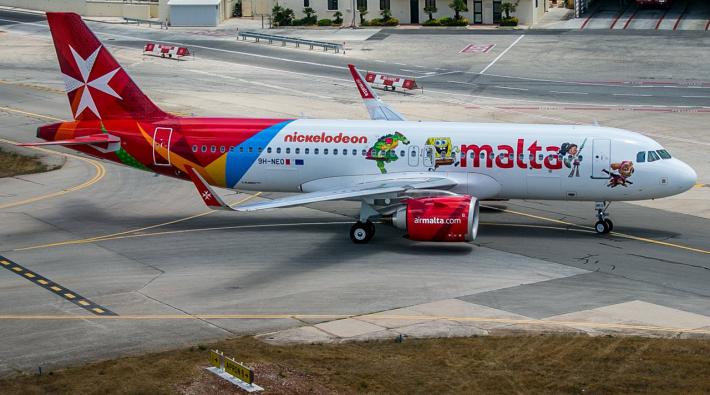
column 641, row 157
column 664, row 154
column 653, row 156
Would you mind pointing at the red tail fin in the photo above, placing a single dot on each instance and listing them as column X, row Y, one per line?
column 97, row 86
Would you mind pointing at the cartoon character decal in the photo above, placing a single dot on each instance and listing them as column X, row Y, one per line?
column 445, row 153
column 620, row 173
column 383, row 151
column 572, row 157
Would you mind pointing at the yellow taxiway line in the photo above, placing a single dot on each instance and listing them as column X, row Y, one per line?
column 100, row 169
column 589, row 228
column 330, row 317
column 132, row 232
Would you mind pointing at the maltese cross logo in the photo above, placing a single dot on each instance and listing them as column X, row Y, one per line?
column 85, row 67
column 206, row 195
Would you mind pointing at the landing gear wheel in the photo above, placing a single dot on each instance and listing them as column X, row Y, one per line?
column 601, row 227
column 361, row 233
column 609, row 225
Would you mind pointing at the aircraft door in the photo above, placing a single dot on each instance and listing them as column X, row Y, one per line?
column 601, row 158
column 161, row 146
column 413, row 156
column 429, row 156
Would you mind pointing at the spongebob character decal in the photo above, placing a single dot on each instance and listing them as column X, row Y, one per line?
column 445, row 153
column 620, row 174
column 572, row 157
column 383, row 151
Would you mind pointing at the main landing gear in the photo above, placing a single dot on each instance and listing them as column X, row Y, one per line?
column 362, row 232
column 604, row 224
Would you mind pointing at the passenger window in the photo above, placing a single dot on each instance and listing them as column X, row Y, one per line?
column 521, row 156
column 278, row 150
column 288, row 150
column 364, row 152
column 194, row 148
column 511, row 156
column 306, row 150
column 540, row 157
column 251, row 149
column 222, row 149
column 345, row 152
column 204, row 148
column 315, row 151
column 354, row 152
column 213, row 148
column 260, row 149
column 231, row 148
column 664, row 154
column 653, row 156
column 298, row 150
column 641, row 157
column 335, row 151
column 401, row 153
column 241, row 150
column 268, row 150
column 325, row 151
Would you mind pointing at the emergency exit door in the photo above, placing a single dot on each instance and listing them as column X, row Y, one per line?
column 601, row 158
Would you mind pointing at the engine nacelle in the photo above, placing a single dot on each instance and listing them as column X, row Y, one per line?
column 442, row 218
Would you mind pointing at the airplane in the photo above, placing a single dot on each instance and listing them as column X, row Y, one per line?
column 426, row 178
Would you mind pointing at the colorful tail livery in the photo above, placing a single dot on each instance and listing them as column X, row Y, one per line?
column 424, row 177
column 97, row 86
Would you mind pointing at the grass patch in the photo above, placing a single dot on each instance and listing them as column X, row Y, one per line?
column 13, row 164
column 547, row 364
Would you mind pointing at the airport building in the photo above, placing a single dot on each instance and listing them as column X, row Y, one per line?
column 407, row 11
column 212, row 12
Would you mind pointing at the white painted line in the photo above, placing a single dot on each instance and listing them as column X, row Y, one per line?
column 696, row 97
column 463, row 83
column 570, row 93
column 281, row 88
column 400, row 64
column 631, row 94
column 380, row 61
column 512, row 89
column 501, row 54
column 430, row 74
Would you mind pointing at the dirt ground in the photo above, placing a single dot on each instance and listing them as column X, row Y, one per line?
column 512, row 364
column 12, row 164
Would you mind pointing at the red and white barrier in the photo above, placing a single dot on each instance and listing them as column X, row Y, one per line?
column 390, row 81
column 165, row 51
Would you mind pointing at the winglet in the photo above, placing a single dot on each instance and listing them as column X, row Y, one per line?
column 363, row 87
column 375, row 106
column 210, row 197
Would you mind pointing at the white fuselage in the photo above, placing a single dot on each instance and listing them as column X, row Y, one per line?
column 489, row 161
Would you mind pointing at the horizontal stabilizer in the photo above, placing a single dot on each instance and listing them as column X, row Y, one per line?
column 83, row 140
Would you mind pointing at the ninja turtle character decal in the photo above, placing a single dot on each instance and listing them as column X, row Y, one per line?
column 383, row 151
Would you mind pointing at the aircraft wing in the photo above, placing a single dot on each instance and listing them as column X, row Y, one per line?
column 365, row 189
column 379, row 110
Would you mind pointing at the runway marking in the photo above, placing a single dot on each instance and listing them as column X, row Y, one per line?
column 55, row 288
column 33, row 86
column 30, row 114
column 172, row 232
column 502, row 321
column 501, row 54
column 510, row 88
column 100, row 173
column 617, row 234
column 112, row 236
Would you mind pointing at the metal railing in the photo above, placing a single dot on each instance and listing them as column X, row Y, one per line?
column 162, row 24
column 298, row 41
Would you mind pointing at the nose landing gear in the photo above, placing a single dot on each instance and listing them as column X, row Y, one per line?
column 604, row 224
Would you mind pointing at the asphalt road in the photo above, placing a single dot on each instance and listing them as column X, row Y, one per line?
column 461, row 79
column 143, row 248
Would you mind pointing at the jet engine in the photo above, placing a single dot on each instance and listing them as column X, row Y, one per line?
column 441, row 218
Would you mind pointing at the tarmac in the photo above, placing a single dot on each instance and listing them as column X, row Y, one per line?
column 164, row 271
